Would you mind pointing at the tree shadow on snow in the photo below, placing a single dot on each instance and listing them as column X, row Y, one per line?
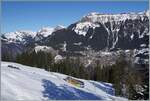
column 65, row 92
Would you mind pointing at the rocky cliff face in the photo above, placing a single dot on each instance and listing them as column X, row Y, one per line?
column 120, row 31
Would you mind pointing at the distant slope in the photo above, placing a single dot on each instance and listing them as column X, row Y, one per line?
column 29, row 83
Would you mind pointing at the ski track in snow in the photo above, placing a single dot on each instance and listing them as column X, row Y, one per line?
column 30, row 83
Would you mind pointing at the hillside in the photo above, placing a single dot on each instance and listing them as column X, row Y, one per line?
column 20, row 82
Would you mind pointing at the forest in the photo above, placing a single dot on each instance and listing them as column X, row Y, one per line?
column 127, row 81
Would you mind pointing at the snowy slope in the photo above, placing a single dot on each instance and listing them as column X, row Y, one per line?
column 29, row 83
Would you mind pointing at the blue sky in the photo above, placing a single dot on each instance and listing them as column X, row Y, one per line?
column 34, row 15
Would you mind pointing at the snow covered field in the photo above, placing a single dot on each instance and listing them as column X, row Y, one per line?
column 29, row 83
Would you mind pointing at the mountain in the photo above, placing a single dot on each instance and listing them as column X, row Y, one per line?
column 17, row 42
column 113, row 31
column 20, row 82
column 22, row 37
column 96, row 44
column 105, row 31
column 26, row 37
column 95, row 31
column 46, row 31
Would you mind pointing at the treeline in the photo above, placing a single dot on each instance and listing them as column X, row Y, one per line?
column 7, row 57
column 44, row 60
column 127, row 81
column 38, row 59
column 69, row 66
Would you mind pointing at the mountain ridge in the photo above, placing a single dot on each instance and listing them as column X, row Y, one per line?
column 99, row 32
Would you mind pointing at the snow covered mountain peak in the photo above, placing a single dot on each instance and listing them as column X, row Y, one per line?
column 46, row 31
column 19, row 36
column 103, row 18
column 58, row 27
column 25, row 36
column 94, row 19
column 93, row 13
